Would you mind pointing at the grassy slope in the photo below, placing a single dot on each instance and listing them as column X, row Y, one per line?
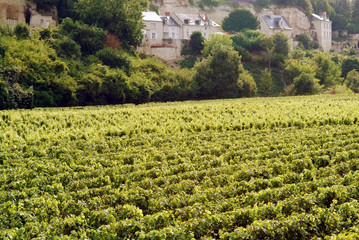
column 182, row 170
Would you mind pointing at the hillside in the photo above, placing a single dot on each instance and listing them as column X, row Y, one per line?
column 295, row 16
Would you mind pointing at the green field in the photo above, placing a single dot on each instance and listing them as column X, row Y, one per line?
column 264, row 168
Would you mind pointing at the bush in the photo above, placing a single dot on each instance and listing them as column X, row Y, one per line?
column 115, row 59
column 352, row 80
column 248, row 39
column 22, row 31
column 214, row 42
column 67, row 48
column 306, row 42
column 90, row 38
column 188, row 62
column 349, row 64
column 305, row 84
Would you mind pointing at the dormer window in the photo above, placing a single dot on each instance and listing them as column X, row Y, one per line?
column 186, row 21
column 197, row 22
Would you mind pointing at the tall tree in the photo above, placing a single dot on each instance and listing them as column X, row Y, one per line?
column 120, row 17
column 238, row 20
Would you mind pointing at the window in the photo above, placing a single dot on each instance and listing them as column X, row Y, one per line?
column 186, row 21
column 197, row 22
column 166, row 35
column 153, row 36
column 153, row 25
column 173, row 35
column 42, row 21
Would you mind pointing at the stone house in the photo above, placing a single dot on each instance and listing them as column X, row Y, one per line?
column 322, row 31
column 196, row 23
column 272, row 24
column 153, row 31
column 163, row 36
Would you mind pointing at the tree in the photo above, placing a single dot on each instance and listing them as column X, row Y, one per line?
column 352, row 80
column 305, row 84
column 22, row 31
column 305, row 41
column 267, row 82
column 248, row 39
column 281, row 43
column 197, row 43
column 90, row 38
column 217, row 76
column 327, row 72
column 238, row 20
column 349, row 64
column 354, row 23
column 215, row 41
column 295, row 67
column 46, row 4
column 120, row 17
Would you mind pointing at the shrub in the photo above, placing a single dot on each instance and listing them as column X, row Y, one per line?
column 305, row 84
column 22, row 31
column 188, row 62
column 67, row 48
column 115, row 59
column 352, row 80
column 90, row 38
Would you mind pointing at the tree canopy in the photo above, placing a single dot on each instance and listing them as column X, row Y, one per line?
column 120, row 17
column 238, row 20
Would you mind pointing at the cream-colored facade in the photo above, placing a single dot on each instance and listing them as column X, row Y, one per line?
column 322, row 31
column 191, row 23
column 164, row 36
column 272, row 24
column 42, row 21
column 153, row 31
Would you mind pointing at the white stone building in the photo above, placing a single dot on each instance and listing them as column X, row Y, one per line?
column 272, row 24
column 322, row 30
column 163, row 36
column 191, row 23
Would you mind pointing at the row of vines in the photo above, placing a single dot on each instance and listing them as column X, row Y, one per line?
column 274, row 168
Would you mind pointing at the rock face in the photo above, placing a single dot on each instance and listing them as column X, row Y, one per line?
column 15, row 11
column 12, row 11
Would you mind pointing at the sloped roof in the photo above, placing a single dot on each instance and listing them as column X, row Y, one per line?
column 274, row 20
column 316, row 17
column 169, row 21
column 151, row 16
column 190, row 17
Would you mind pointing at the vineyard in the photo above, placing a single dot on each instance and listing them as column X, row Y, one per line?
column 270, row 168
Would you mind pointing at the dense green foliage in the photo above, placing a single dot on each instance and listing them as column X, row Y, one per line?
column 120, row 17
column 268, row 168
column 238, row 20
column 196, row 43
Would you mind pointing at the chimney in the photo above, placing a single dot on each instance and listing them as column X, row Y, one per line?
column 324, row 15
column 167, row 14
column 206, row 19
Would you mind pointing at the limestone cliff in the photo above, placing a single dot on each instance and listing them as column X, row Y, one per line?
column 15, row 11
